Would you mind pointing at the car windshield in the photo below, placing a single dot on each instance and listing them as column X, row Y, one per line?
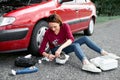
column 18, row 2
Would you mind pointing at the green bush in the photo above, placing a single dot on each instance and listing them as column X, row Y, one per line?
column 107, row 7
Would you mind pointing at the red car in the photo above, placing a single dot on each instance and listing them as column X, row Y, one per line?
column 23, row 22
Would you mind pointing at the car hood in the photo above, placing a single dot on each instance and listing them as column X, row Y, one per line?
column 8, row 5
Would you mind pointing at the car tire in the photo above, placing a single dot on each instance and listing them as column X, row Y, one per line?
column 90, row 30
column 37, row 37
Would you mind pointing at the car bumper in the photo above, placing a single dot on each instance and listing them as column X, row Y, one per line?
column 13, row 34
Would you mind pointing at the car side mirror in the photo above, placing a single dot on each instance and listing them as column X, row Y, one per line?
column 62, row 1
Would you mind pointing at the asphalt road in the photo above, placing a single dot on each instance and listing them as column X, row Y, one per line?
column 106, row 35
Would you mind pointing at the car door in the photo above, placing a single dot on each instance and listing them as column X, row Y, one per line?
column 84, row 13
column 66, row 11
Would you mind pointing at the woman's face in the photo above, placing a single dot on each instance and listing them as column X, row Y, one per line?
column 54, row 26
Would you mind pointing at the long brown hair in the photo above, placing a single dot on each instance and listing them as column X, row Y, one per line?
column 54, row 18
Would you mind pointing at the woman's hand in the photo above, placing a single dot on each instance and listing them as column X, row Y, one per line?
column 58, row 52
column 51, row 57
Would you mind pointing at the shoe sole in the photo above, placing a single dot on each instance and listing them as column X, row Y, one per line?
column 91, row 71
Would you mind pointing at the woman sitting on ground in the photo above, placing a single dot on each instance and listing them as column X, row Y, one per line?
column 60, row 38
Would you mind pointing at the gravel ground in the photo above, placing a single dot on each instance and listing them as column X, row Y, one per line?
column 106, row 35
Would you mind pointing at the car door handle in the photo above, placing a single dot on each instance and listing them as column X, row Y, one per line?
column 76, row 10
column 88, row 8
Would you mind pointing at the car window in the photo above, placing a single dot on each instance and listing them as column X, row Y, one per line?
column 70, row 2
column 82, row 1
column 76, row 1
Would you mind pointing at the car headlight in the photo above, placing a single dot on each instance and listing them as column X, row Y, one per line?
column 6, row 20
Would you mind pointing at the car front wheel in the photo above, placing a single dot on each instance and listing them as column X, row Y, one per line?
column 37, row 37
column 89, row 31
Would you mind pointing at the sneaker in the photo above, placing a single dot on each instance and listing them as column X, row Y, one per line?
column 90, row 67
column 62, row 59
column 112, row 56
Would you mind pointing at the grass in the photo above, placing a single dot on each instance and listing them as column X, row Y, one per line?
column 101, row 19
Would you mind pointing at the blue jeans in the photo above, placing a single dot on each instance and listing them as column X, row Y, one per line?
column 75, row 47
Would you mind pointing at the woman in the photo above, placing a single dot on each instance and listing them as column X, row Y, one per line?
column 60, row 38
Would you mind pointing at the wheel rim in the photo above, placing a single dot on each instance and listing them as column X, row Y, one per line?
column 91, row 26
column 40, row 35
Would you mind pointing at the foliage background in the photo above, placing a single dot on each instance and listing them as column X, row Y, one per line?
column 107, row 7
